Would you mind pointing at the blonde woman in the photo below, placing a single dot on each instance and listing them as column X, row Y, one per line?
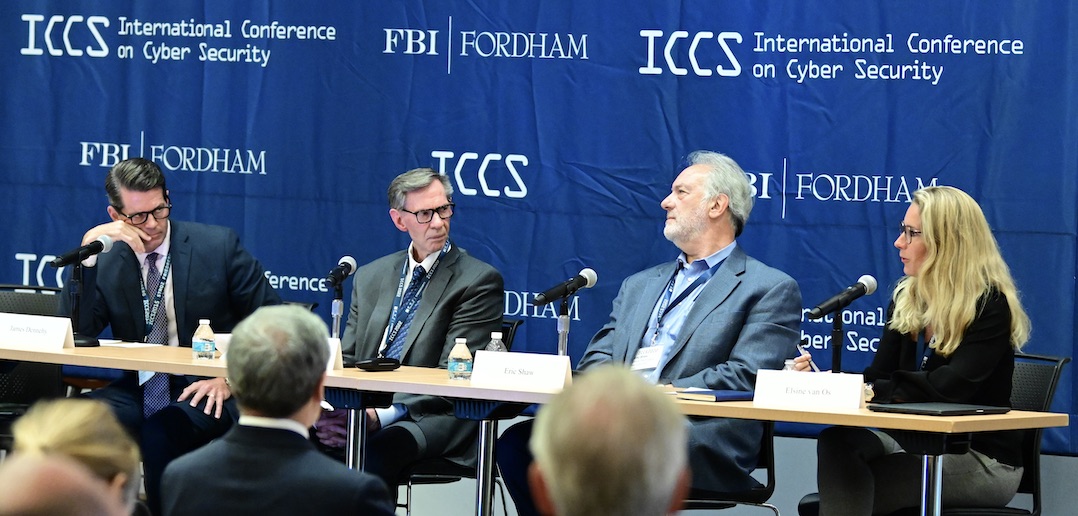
column 86, row 431
column 953, row 326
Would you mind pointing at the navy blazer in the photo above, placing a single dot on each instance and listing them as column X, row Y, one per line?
column 213, row 277
column 267, row 471
column 746, row 318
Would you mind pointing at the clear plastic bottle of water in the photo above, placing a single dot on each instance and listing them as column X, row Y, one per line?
column 203, row 344
column 496, row 343
column 790, row 365
column 460, row 361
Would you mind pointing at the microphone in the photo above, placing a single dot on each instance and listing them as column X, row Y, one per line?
column 102, row 245
column 345, row 267
column 865, row 285
column 586, row 279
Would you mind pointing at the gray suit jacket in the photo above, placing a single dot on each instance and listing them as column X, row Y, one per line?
column 464, row 299
column 746, row 318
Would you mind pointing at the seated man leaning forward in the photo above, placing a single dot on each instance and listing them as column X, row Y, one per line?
column 266, row 464
column 411, row 305
column 710, row 319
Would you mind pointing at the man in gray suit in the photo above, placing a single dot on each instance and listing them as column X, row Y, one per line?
column 710, row 319
column 411, row 305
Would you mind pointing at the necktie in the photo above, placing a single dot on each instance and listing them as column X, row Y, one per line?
column 395, row 347
column 155, row 392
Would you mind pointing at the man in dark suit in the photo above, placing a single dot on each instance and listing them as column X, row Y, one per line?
column 411, row 305
column 710, row 319
column 159, row 279
column 266, row 464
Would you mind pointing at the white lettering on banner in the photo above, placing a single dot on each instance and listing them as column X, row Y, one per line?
column 540, row 45
column 417, row 41
column 727, row 65
column 855, row 341
column 951, row 45
column 519, row 304
column 176, row 158
column 856, row 188
column 469, row 161
column 298, row 283
column 91, row 24
column 28, row 259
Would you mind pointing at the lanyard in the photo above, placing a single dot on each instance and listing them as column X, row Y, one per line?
column 395, row 321
column 665, row 305
column 925, row 349
column 151, row 312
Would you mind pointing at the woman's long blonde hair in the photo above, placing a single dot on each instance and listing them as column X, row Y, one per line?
column 84, row 430
column 962, row 262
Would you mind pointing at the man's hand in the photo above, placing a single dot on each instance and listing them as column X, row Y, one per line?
column 215, row 391
column 118, row 230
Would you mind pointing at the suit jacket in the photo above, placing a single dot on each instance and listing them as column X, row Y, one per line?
column 266, row 471
column 464, row 299
column 213, row 277
column 746, row 318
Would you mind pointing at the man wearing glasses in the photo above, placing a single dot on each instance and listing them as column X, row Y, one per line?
column 411, row 305
column 161, row 277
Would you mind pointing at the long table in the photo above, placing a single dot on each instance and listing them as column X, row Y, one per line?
column 418, row 380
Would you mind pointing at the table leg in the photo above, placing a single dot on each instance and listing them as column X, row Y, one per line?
column 484, row 473
column 932, row 485
column 357, row 436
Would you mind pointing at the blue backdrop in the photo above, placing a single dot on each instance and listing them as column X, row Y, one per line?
column 561, row 124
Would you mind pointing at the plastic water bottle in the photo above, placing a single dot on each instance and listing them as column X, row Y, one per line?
column 789, row 365
column 496, row 343
column 203, row 344
column 460, row 361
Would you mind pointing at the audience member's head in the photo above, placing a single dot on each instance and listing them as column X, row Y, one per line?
column 609, row 444
column 87, row 432
column 53, row 485
column 277, row 363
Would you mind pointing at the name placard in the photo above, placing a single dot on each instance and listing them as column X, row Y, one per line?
column 531, row 371
column 35, row 332
column 335, row 359
column 801, row 390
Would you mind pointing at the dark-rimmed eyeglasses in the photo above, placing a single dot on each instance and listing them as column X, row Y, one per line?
column 909, row 232
column 425, row 216
column 140, row 218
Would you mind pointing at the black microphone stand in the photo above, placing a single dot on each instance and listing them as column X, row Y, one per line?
column 337, row 308
column 837, row 340
column 81, row 341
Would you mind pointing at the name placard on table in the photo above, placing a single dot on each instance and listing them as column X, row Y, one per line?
column 802, row 390
column 35, row 332
column 532, row 371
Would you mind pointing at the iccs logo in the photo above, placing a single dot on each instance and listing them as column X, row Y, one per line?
column 55, row 24
column 28, row 262
column 723, row 40
column 466, row 164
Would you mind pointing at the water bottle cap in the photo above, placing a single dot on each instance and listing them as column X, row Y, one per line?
column 461, row 340
column 496, row 335
column 204, row 321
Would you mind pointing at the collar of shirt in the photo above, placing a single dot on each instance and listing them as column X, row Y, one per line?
column 699, row 266
column 277, row 423
column 426, row 263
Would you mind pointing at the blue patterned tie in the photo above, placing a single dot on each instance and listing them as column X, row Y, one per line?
column 395, row 347
column 155, row 392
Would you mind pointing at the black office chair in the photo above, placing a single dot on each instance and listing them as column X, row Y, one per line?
column 442, row 471
column 23, row 383
column 1033, row 386
column 757, row 496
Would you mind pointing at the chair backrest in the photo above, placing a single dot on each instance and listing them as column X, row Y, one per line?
column 509, row 331
column 758, row 496
column 24, row 383
column 1033, row 386
column 19, row 299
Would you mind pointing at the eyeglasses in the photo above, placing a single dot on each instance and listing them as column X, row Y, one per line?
column 140, row 218
column 425, row 216
column 909, row 232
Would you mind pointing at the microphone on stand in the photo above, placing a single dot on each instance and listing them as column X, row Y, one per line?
column 346, row 266
column 586, row 279
column 865, row 285
column 102, row 244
